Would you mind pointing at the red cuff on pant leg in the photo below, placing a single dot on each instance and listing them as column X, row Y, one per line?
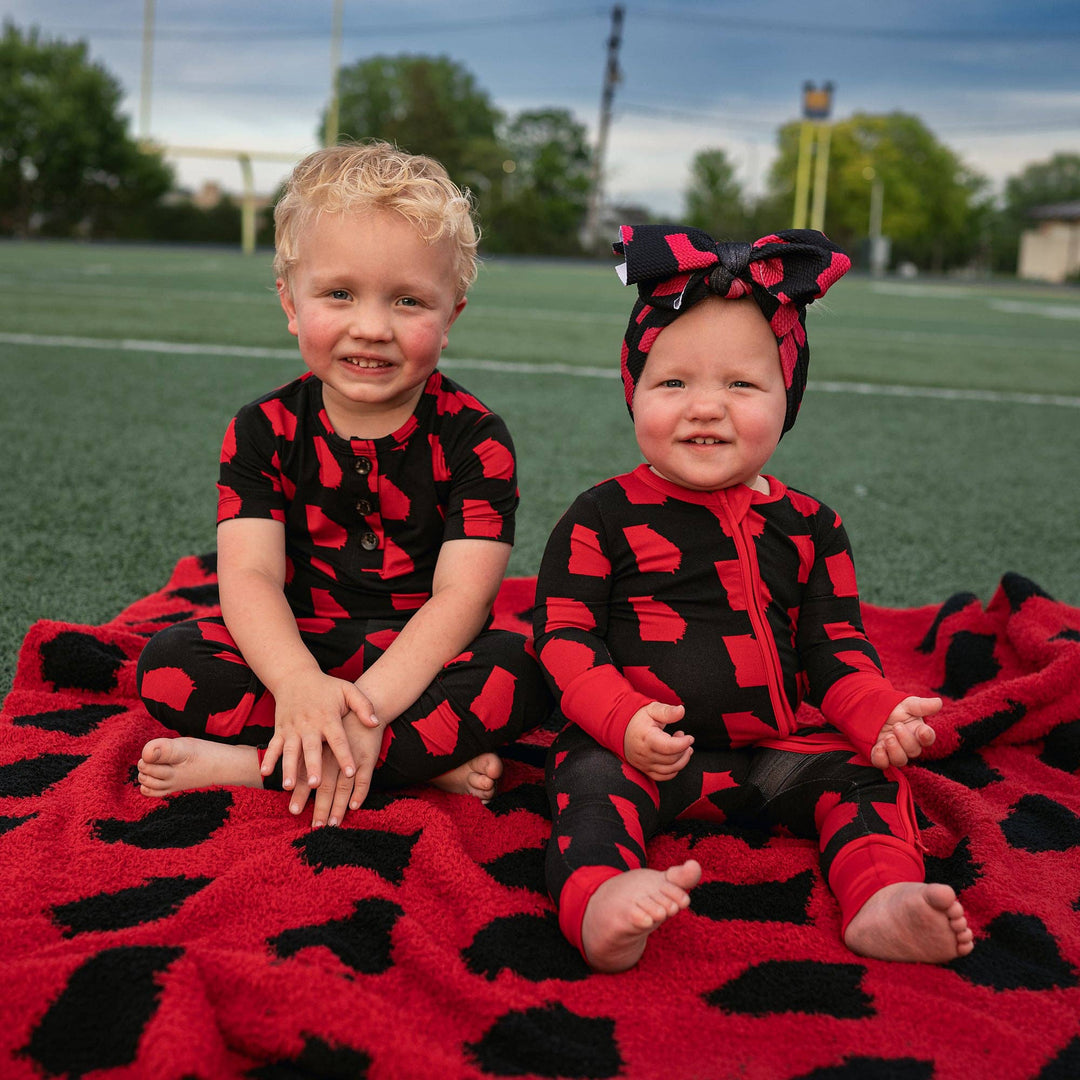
column 866, row 865
column 575, row 897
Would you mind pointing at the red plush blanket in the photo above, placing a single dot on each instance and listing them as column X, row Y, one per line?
column 212, row 934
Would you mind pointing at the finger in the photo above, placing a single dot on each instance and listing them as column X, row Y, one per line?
column 290, row 755
column 339, row 747
column 666, row 714
column 361, row 705
column 299, row 797
column 342, row 792
column 271, row 755
column 313, row 757
column 879, row 757
column 908, row 740
column 324, row 800
column 361, row 785
column 928, row 706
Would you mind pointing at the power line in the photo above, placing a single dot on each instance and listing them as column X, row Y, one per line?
column 771, row 27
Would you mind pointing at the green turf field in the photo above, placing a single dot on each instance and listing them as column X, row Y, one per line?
column 121, row 367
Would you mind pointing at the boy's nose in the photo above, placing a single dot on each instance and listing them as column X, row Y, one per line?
column 369, row 322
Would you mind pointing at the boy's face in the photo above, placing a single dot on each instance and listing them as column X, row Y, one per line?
column 371, row 303
column 710, row 404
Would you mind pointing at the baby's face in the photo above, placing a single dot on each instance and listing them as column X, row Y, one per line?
column 710, row 404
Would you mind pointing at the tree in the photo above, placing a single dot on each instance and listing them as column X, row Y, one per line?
column 1043, row 183
column 541, row 203
column 714, row 199
column 426, row 105
column 67, row 163
column 936, row 209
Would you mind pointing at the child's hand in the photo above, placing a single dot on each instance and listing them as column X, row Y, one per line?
column 338, row 793
column 905, row 733
column 649, row 748
column 309, row 713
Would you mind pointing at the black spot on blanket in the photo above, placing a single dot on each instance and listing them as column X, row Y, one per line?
column 387, row 853
column 361, row 940
column 956, row 602
column 1038, row 823
column 533, row 946
column 1061, row 748
column 521, row 869
column 802, row 986
column 317, row 1061
column 80, row 721
column 969, row 661
column 1018, row 953
column 199, row 595
column 1068, row 634
column 182, row 822
column 22, row 779
column 958, row 869
column 76, row 661
column 1018, row 589
column 967, row 767
column 157, row 899
column 1066, row 1066
column 9, row 823
column 872, row 1068
column 99, row 1017
column 767, row 901
column 987, row 728
column 549, row 1040
column 531, row 797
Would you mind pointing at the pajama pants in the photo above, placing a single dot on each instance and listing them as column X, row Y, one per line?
column 604, row 811
column 194, row 680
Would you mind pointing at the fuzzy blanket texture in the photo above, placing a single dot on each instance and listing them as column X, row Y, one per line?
column 211, row 934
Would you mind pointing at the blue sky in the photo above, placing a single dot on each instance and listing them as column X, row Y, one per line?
column 996, row 80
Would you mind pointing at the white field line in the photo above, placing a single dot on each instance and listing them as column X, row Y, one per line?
column 182, row 348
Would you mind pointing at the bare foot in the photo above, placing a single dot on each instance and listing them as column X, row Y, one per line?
column 913, row 921
column 169, row 765
column 477, row 777
column 626, row 909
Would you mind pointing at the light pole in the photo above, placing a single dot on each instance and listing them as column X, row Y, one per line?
column 879, row 245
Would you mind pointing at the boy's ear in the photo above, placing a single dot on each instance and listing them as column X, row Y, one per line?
column 459, row 307
column 287, row 305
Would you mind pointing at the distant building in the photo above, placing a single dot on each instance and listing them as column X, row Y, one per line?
column 1051, row 250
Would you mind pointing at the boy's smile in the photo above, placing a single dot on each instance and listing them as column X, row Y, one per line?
column 710, row 404
column 371, row 303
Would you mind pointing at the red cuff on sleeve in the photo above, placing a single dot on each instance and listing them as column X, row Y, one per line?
column 602, row 702
column 859, row 704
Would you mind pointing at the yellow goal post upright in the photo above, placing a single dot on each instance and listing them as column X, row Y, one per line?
column 816, row 109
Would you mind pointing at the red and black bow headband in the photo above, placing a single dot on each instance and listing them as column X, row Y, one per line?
column 675, row 267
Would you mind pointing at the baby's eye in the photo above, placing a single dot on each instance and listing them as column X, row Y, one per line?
column 409, row 301
column 673, row 384
column 339, row 294
column 742, row 383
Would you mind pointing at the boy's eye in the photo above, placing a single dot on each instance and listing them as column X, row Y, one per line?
column 339, row 294
column 409, row 301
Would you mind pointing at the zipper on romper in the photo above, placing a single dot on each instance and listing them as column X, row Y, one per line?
column 744, row 546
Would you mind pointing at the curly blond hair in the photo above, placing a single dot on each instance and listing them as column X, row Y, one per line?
column 373, row 175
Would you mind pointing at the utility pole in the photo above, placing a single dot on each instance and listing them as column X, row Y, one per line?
column 147, row 68
column 612, row 76
column 330, row 135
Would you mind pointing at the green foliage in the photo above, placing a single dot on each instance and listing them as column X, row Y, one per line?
column 427, row 105
column 1042, row 183
column 541, row 203
column 714, row 199
column 67, row 166
column 936, row 210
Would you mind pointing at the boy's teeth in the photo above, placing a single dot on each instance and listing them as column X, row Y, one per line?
column 701, row 441
column 356, row 362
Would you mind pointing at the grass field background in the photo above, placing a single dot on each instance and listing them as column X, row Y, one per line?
column 942, row 420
